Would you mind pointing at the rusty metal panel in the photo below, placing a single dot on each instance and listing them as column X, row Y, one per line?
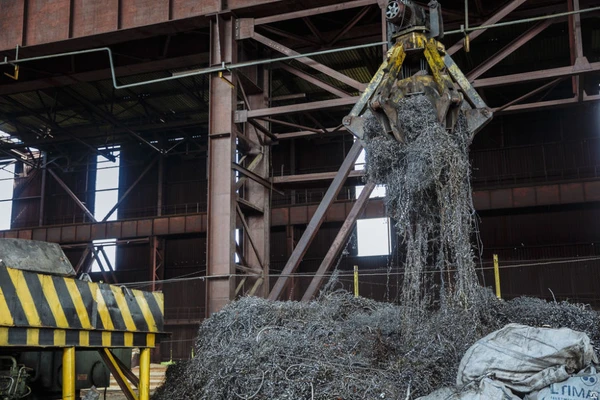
column 11, row 23
column 144, row 227
column 161, row 226
column 592, row 191
column 280, row 216
column 177, row 225
column 83, row 233
column 193, row 224
column 47, row 21
column 481, row 200
column 25, row 234
column 523, row 197
column 311, row 209
column 91, row 17
column 129, row 229
column 337, row 212
column 54, row 235
column 40, row 234
column 143, row 12
column 11, row 235
column 501, row 198
column 571, row 193
column 298, row 215
column 548, row 194
column 191, row 8
column 99, row 231
column 67, row 234
column 113, row 229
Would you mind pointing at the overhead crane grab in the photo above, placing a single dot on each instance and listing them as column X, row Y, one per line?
column 417, row 63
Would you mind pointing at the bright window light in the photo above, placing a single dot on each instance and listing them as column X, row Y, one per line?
column 7, row 181
column 359, row 165
column 373, row 236
column 378, row 192
column 107, row 195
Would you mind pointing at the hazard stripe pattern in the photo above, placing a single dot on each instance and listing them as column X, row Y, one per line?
column 46, row 337
column 31, row 300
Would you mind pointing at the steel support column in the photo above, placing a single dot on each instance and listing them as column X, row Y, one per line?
column 260, row 225
column 221, row 154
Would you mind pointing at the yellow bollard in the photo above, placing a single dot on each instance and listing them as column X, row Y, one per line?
column 356, row 281
column 497, row 276
column 144, row 386
column 68, row 373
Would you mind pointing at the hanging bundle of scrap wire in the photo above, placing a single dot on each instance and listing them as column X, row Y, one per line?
column 429, row 197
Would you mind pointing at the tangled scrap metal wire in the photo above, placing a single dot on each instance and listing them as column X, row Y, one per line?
column 429, row 197
column 342, row 347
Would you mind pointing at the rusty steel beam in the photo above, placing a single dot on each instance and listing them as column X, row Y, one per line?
column 72, row 195
column 195, row 224
column 58, row 128
column 339, row 242
column 349, row 25
column 576, row 46
column 536, row 75
column 91, row 76
column 294, row 135
column 291, row 36
column 258, row 191
column 315, row 31
column 314, row 177
column 316, row 221
column 314, row 80
column 220, row 268
column 314, row 11
column 309, row 61
column 256, row 178
column 243, row 116
column 290, row 124
column 125, row 229
column 509, row 49
column 548, row 85
column 510, row 7
column 108, row 117
column 549, row 104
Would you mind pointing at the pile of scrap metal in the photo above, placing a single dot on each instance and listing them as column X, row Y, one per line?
column 351, row 348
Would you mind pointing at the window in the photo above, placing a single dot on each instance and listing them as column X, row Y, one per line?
column 373, row 237
column 7, row 180
column 107, row 195
column 379, row 190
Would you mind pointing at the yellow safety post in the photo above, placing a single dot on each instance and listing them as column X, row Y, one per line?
column 497, row 276
column 144, row 386
column 356, row 281
column 68, row 373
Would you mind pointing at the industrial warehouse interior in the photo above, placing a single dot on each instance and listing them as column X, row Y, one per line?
column 299, row 199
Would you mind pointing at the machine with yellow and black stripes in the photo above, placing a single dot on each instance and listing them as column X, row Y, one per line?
column 60, row 334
